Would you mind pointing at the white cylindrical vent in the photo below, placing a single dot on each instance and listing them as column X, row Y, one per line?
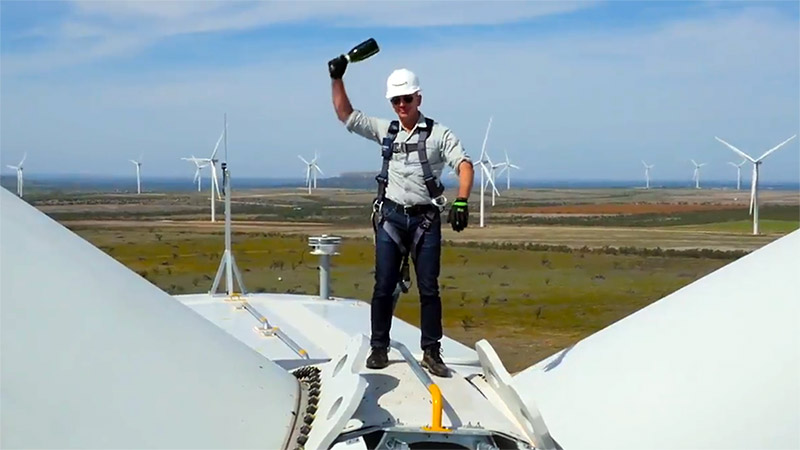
column 324, row 246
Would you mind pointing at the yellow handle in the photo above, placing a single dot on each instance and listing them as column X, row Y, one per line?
column 436, row 415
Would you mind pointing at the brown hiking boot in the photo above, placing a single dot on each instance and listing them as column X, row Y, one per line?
column 432, row 360
column 378, row 358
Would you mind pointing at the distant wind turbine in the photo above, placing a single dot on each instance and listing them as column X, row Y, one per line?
column 507, row 166
column 212, row 162
column 696, row 174
column 198, row 169
column 493, row 171
column 138, row 164
column 647, row 173
column 311, row 171
column 738, row 173
column 756, row 163
column 483, row 161
column 18, row 168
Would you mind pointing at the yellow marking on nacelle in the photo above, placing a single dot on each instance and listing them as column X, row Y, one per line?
column 436, row 414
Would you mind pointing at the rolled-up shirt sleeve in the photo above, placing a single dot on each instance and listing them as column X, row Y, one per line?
column 371, row 128
column 453, row 152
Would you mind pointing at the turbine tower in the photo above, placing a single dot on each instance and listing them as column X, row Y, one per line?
column 485, row 171
column 311, row 171
column 138, row 164
column 647, row 173
column 18, row 168
column 754, row 188
column 738, row 173
column 696, row 174
column 507, row 166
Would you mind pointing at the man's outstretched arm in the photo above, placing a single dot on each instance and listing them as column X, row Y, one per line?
column 341, row 104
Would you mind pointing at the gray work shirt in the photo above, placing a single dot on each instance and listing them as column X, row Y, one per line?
column 406, row 185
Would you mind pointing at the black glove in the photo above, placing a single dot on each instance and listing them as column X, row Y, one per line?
column 337, row 66
column 459, row 214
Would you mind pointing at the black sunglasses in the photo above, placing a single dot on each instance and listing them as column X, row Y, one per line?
column 405, row 98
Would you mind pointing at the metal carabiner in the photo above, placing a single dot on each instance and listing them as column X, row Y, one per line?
column 439, row 202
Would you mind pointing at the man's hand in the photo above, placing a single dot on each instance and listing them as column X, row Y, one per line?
column 337, row 66
column 459, row 214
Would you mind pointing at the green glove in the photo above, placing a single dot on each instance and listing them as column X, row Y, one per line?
column 459, row 214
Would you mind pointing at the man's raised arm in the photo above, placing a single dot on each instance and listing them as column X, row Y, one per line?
column 341, row 104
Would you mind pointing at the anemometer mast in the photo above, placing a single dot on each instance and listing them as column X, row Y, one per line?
column 228, row 262
column 324, row 246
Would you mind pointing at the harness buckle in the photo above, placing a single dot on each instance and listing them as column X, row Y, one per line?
column 439, row 202
column 377, row 206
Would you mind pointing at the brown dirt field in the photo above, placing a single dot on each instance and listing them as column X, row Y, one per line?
column 617, row 208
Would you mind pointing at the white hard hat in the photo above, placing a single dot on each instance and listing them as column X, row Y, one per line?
column 401, row 82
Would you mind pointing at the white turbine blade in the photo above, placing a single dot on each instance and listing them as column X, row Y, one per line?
column 733, row 164
column 216, row 147
column 489, row 177
column 24, row 155
column 12, row 167
column 741, row 153
column 644, row 163
column 485, row 138
column 308, row 173
column 318, row 169
column 514, row 166
column 775, row 148
column 693, row 162
column 494, row 188
column 196, row 173
column 304, row 160
column 133, row 162
column 702, row 164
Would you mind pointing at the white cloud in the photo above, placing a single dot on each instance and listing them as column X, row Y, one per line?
column 98, row 29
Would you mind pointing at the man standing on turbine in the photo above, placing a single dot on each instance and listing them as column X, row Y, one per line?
column 408, row 206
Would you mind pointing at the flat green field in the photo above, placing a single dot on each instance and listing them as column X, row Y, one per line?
column 529, row 304
column 550, row 268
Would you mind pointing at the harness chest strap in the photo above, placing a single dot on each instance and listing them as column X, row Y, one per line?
column 389, row 147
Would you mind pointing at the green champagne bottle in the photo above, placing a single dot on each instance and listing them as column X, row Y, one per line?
column 363, row 51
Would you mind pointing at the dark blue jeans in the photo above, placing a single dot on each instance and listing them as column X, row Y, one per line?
column 388, row 259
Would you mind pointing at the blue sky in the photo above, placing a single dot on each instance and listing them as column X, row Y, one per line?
column 580, row 90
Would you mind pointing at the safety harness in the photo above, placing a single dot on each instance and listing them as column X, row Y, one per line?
column 435, row 191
